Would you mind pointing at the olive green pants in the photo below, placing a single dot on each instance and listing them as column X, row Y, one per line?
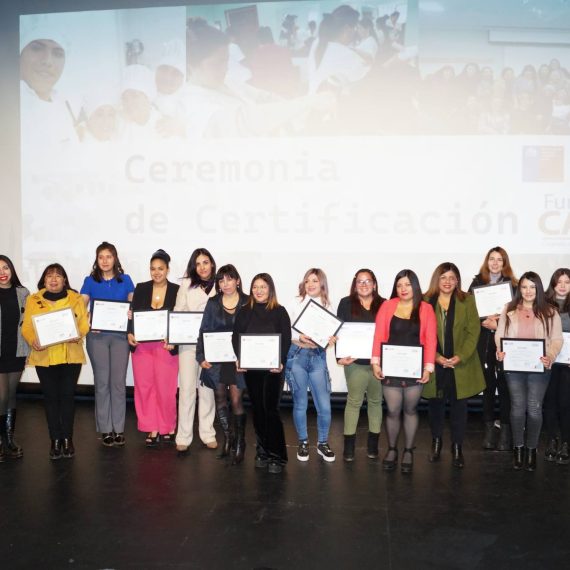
column 361, row 381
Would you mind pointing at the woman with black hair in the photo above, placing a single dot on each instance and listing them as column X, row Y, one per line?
column 13, row 352
column 223, row 377
column 529, row 315
column 58, row 366
column 557, row 397
column 361, row 306
column 404, row 320
column 496, row 268
column 108, row 351
column 196, row 288
column 458, row 374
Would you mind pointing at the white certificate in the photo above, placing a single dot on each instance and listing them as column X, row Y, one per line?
column 109, row 316
column 55, row 327
column 400, row 361
column 317, row 323
column 218, row 347
column 491, row 299
column 522, row 355
column 564, row 354
column 355, row 340
column 184, row 327
column 259, row 351
column 150, row 325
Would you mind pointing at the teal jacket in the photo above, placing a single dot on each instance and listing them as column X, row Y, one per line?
column 469, row 379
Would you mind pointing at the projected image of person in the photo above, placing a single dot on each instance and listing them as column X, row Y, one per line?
column 529, row 315
column 557, row 397
column 155, row 364
column 13, row 353
column 46, row 116
column 217, row 108
column 108, row 351
column 58, row 366
column 367, row 45
column 101, row 117
column 458, row 374
column 361, row 306
column 496, row 268
column 307, row 369
column 223, row 377
column 197, row 286
column 264, row 315
column 404, row 320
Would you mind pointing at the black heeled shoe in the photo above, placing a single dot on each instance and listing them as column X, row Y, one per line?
column 457, row 459
column 68, row 450
column 518, row 458
column 407, row 466
column 152, row 440
column 530, row 462
column 435, row 454
column 390, row 464
column 55, row 449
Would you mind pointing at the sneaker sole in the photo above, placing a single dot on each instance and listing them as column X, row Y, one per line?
column 301, row 458
column 327, row 459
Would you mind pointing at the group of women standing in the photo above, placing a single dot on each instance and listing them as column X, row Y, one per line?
column 461, row 357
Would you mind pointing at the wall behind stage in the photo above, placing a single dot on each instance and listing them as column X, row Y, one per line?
column 391, row 174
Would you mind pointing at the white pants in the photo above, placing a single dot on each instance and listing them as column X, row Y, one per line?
column 189, row 374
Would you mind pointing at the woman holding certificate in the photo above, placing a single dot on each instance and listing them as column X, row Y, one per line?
column 195, row 290
column 307, row 368
column 361, row 306
column 264, row 316
column 458, row 374
column 215, row 354
column 527, row 317
column 404, row 321
column 13, row 352
column 109, row 350
column 496, row 268
column 55, row 322
column 155, row 363
column 557, row 398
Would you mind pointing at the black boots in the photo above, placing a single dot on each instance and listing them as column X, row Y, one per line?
column 372, row 448
column 435, row 454
column 530, row 459
column 55, row 450
column 563, row 457
column 505, row 442
column 12, row 449
column 68, row 450
column 348, row 452
column 224, row 419
column 518, row 458
column 457, row 456
column 489, row 439
column 239, row 429
column 551, row 450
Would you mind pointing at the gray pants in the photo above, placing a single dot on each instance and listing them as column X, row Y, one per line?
column 109, row 356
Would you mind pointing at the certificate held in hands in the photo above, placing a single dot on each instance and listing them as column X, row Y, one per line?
column 109, row 316
column 523, row 354
column 55, row 327
column 218, row 347
column 260, row 351
column 184, row 327
column 150, row 325
column 491, row 299
column 317, row 323
column 355, row 340
column 399, row 361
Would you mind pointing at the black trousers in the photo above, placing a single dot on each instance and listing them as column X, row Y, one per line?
column 556, row 405
column 58, row 385
column 264, row 389
column 457, row 417
column 494, row 380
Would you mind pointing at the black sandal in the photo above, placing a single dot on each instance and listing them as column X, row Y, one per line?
column 390, row 464
column 407, row 466
column 151, row 440
column 168, row 437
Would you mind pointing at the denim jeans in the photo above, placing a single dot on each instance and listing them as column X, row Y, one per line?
column 527, row 393
column 307, row 368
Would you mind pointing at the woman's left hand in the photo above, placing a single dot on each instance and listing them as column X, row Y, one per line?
column 238, row 369
column 277, row 370
column 425, row 377
column 167, row 346
column 547, row 361
column 332, row 340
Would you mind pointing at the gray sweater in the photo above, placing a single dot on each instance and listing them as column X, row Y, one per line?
column 22, row 348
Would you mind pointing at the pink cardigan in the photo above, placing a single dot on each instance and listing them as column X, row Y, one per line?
column 428, row 331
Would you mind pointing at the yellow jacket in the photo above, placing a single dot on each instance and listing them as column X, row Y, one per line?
column 65, row 353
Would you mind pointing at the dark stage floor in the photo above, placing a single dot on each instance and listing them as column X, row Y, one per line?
column 147, row 508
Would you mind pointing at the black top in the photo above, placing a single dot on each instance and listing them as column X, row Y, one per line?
column 10, row 322
column 344, row 312
column 404, row 332
column 259, row 320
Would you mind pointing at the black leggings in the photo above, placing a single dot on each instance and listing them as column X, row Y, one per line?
column 8, row 386
column 235, row 394
column 556, row 405
column 398, row 399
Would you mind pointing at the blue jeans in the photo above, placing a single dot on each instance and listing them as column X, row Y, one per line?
column 307, row 368
column 527, row 393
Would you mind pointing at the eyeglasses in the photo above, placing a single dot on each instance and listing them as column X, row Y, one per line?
column 364, row 282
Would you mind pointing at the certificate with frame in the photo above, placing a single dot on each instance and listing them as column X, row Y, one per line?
column 150, row 325
column 184, row 327
column 109, row 316
column 355, row 340
column 400, row 361
column 523, row 354
column 564, row 354
column 218, row 347
column 317, row 323
column 491, row 299
column 260, row 351
column 55, row 327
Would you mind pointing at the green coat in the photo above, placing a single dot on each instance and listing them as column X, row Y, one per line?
column 469, row 379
